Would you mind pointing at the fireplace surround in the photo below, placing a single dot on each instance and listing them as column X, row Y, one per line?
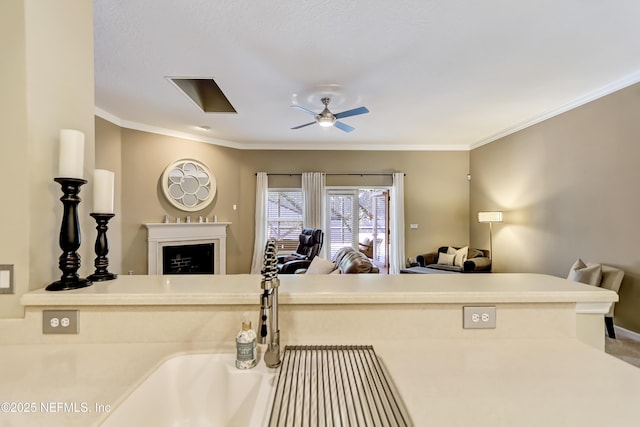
column 161, row 235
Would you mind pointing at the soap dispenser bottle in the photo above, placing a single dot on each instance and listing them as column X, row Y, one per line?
column 246, row 346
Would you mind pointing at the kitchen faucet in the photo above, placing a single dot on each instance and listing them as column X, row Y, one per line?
column 269, row 333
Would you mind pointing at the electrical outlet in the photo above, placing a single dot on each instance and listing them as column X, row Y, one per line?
column 479, row 317
column 60, row 321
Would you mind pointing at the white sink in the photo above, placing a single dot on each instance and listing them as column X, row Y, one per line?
column 198, row 390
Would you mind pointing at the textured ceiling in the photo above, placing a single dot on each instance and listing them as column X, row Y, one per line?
column 435, row 74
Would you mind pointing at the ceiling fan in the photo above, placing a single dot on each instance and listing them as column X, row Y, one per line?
column 327, row 119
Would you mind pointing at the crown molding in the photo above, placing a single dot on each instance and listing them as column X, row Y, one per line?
column 335, row 146
column 608, row 89
column 163, row 131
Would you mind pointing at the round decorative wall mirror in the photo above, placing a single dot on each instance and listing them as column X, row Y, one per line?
column 188, row 185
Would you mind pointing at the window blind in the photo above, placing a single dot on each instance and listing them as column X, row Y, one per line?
column 284, row 218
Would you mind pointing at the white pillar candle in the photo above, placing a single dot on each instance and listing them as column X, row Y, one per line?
column 71, row 160
column 102, row 191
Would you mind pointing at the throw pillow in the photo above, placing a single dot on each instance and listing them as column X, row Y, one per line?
column 320, row 266
column 589, row 275
column 461, row 256
column 446, row 259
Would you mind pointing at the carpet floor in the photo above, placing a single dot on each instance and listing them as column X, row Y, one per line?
column 624, row 347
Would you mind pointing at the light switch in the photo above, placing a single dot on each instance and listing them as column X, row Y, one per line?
column 6, row 278
column 413, row 226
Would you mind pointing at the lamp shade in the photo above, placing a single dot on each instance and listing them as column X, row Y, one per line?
column 490, row 216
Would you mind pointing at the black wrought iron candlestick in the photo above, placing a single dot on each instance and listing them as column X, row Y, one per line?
column 69, row 237
column 102, row 249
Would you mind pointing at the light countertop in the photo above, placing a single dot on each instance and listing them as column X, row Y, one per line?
column 330, row 289
column 442, row 382
column 479, row 379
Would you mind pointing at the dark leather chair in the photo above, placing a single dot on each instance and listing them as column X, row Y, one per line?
column 310, row 243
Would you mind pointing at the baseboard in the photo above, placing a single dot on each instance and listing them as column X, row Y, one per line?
column 626, row 332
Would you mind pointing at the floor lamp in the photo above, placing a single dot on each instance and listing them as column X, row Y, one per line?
column 490, row 217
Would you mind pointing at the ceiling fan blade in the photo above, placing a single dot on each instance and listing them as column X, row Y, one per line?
column 306, row 110
column 343, row 126
column 304, row 125
column 354, row 112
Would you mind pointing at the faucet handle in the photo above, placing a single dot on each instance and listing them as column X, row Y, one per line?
column 263, row 328
column 264, row 307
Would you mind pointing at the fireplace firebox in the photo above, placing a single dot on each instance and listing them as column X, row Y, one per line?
column 188, row 259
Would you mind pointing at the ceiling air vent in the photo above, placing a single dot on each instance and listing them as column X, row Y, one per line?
column 205, row 93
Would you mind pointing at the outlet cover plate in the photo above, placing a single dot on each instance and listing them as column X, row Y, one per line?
column 6, row 279
column 60, row 321
column 479, row 317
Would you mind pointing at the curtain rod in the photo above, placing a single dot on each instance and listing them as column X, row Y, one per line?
column 335, row 174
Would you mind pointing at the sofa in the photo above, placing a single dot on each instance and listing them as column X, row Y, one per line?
column 346, row 261
column 457, row 260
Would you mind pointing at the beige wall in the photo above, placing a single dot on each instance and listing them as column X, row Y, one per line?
column 109, row 156
column 568, row 187
column 436, row 189
column 54, row 42
column 14, row 224
column 144, row 158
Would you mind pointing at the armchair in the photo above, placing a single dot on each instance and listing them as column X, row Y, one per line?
column 366, row 246
column 600, row 275
column 611, row 279
column 310, row 243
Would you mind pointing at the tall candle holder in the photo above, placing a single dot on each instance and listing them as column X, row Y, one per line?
column 69, row 261
column 102, row 249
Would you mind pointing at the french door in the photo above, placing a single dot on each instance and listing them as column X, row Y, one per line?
column 381, row 233
column 356, row 216
column 343, row 220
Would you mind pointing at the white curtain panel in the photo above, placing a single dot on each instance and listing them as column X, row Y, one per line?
column 396, row 255
column 260, row 240
column 313, row 185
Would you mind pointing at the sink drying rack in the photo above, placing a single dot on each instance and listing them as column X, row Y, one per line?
column 320, row 386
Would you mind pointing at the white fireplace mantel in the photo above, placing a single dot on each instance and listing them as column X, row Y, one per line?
column 177, row 234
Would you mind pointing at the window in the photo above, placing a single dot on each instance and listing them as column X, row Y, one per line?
column 284, row 218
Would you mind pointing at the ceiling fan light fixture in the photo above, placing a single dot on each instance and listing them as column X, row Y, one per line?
column 326, row 121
